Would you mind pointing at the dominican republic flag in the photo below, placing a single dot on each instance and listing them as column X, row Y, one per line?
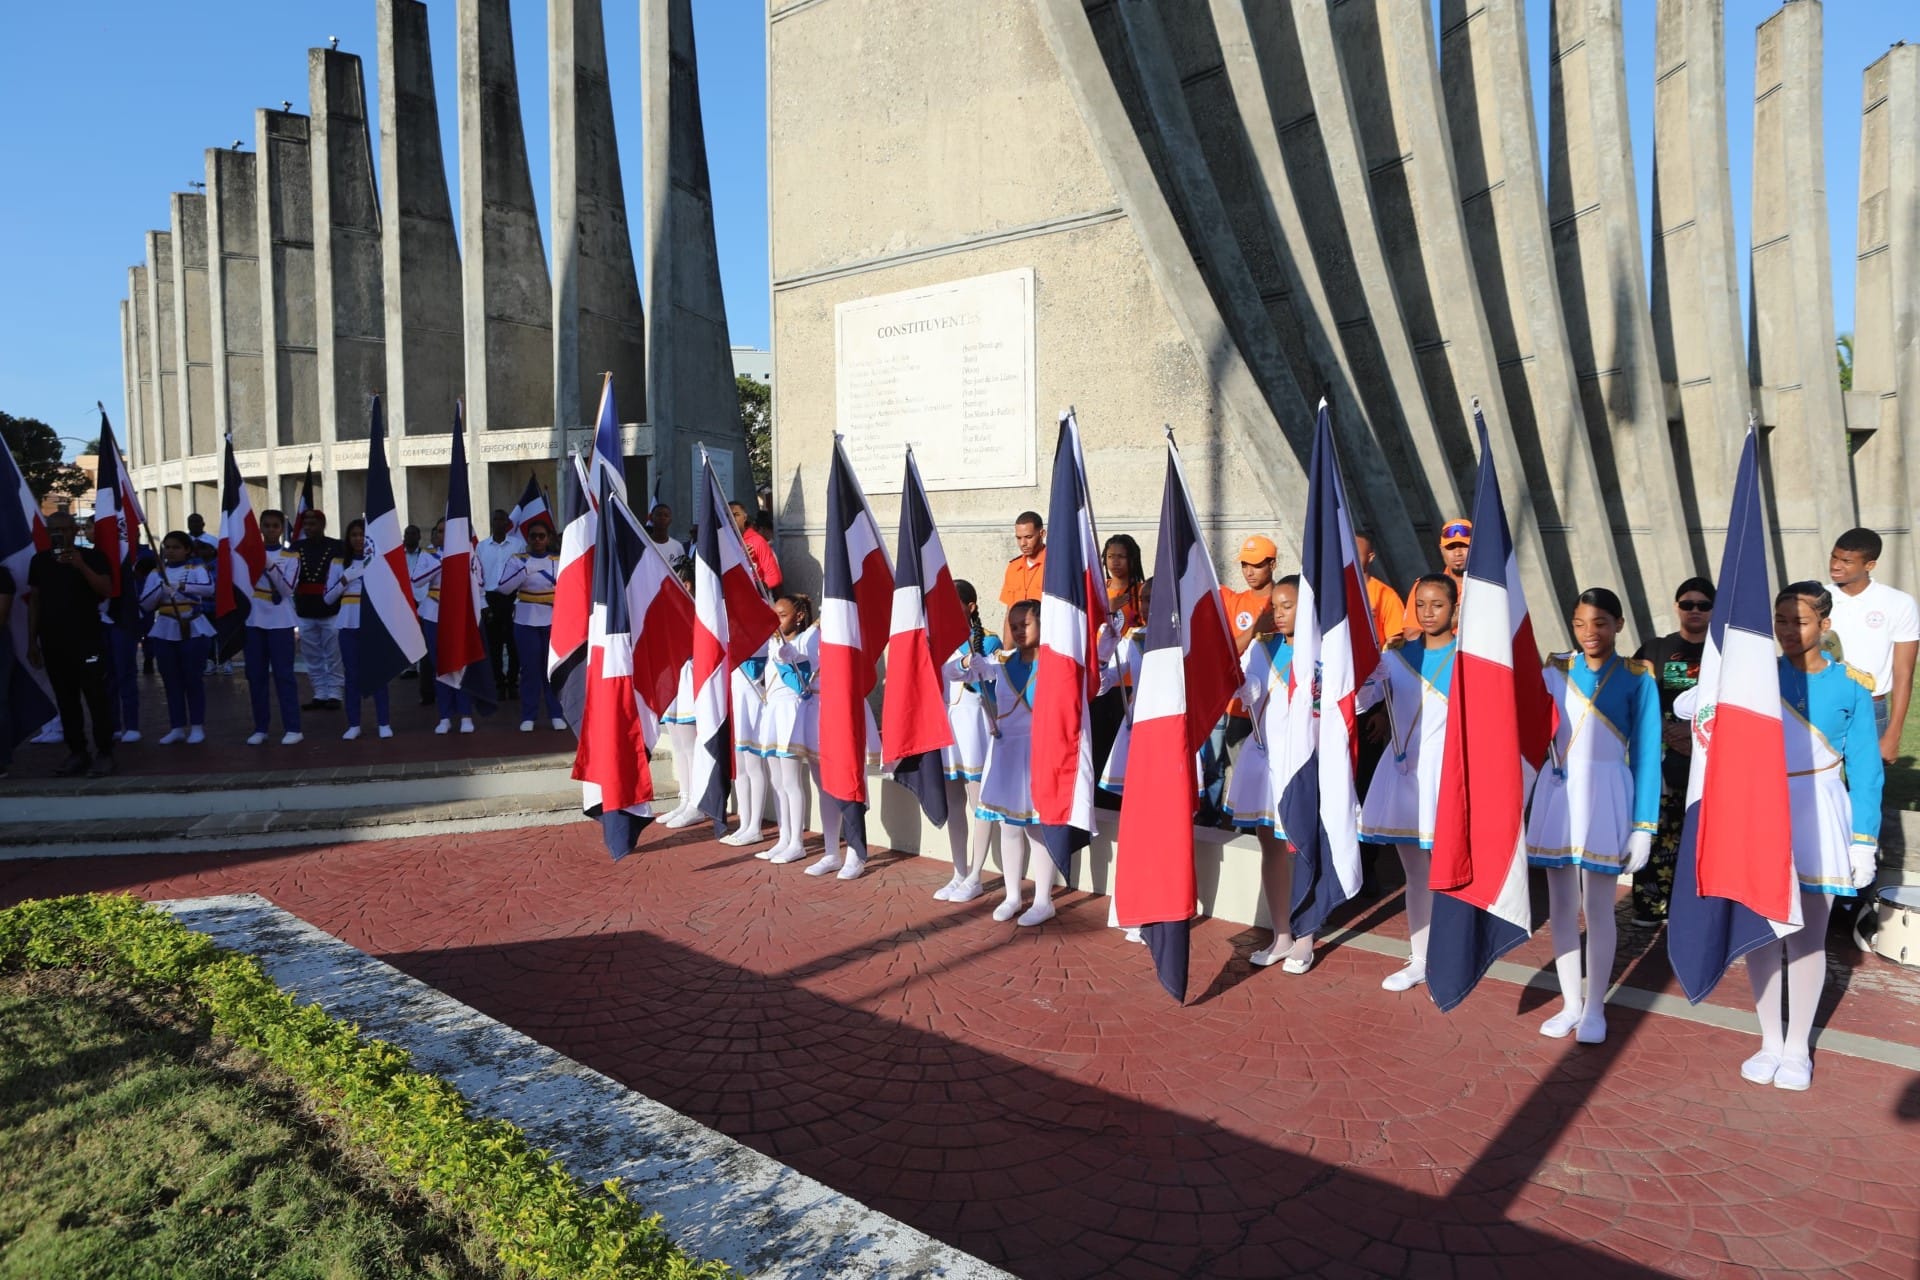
column 460, row 649
column 1334, row 651
column 572, row 593
column 1499, row 723
column 304, row 505
column 391, row 639
column 608, row 458
column 640, row 636
column 856, row 600
column 239, row 562
column 929, row 624
column 1734, row 886
column 731, row 621
column 116, row 520
column 23, row 532
column 531, row 509
column 1188, row 673
column 1073, row 608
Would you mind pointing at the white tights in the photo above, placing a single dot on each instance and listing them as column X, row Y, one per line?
column 1020, row 849
column 967, row 836
column 1806, row 966
column 790, row 802
column 680, row 738
column 750, row 792
column 1570, row 891
column 1417, row 863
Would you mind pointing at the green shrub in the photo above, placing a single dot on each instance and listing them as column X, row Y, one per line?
column 541, row 1218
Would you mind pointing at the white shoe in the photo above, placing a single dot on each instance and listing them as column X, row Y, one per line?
column 966, row 891
column 1761, row 1067
column 1038, row 913
column 1795, row 1074
column 1298, row 964
column 131, row 735
column 792, row 853
column 386, row 731
column 172, row 736
column 47, row 735
column 1561, row 1024
column 1592, row 1028
column 1404, row 979
column 256, row 739
column 741, row 836
column 851, row 869
column 445, row 726
column 945, row 892
column 350, row 734
column 1134, row 935
column 682, row 818
column 466, row 724
column 1007, row 910
column 196, row 733
column 828, row 864
column 559, row 722
column 526, row 726
column 293, row 739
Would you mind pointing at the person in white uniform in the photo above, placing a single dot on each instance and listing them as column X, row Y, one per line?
column 964, row 762
column 792, row 722
column 180, row 636
column 529, row 578
column 679, row 723
column 270, row 623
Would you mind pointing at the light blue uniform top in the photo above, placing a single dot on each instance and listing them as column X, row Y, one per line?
column 1629, row 698
column 1840, row 707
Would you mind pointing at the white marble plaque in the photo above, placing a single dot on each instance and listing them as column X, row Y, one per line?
column 947, row 369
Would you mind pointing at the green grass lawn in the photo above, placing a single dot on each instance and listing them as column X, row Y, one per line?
column 1903, row 775
column 131, row 1146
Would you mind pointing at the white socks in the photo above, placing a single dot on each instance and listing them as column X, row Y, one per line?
column 1785, row 1059
column 1583, row 1011
column 790, row 804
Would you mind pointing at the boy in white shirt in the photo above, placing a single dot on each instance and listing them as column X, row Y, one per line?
column 270, row 624
column 1879, row 630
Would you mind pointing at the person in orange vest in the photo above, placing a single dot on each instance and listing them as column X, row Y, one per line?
column 1026, row 572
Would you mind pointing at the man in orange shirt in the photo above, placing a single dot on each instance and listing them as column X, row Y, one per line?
column 1456, row 538
column 1388, row 612
column 1249, row 613
column 1027, row 571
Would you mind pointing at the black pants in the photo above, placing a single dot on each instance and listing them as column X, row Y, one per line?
column 497, row 617
column 80, row 679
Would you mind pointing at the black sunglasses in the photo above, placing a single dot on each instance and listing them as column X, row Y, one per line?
column 1697, row 606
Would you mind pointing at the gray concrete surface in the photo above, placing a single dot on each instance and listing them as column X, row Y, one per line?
column 233, row 266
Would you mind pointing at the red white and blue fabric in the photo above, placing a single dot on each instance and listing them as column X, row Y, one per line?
column 856, row 601
column 302, row 505
column 116, row 522
column 1334, row 651
column 23, row 532
column 1734, row 886
column 928, row 624
column 1500, row 719
column 460, row 649
column 531, row 509
column 640, row 635
column 391, row 638
column 572, row 593
column 732, row 619
column 1188, row 673
column 609, row 459
column 1073, row 608
column 242, row 554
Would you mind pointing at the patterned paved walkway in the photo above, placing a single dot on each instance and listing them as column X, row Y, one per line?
column 1032, row 1097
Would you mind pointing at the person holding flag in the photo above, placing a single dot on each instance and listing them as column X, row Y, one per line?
column 530, row 578
column 681, row 726
column 463, row 671
column 26, row 697
column 1596, row 806
column 346, row 589
column 964, row 761
column 269, row 642
column 179, row 636
column 1411, row 684
column 792, row 722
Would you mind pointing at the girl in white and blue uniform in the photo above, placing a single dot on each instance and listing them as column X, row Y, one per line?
column 179, row 635
column 1596, row 804
column 1414, row 679
column 344, row 588
column 791, row 722
column 1834, row 779
column 679, row 724
column 965, row 761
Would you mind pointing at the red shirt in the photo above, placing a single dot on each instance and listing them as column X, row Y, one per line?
column 765, row 563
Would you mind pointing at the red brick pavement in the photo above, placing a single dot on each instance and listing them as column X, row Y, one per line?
column 1032, row 1096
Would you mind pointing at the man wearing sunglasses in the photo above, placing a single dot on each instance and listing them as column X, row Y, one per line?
column 1456, row 539
column 1676, row 668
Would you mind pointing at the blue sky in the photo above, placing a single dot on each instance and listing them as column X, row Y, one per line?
column 110, row 105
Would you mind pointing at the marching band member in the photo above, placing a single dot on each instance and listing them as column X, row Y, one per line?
column 344, row 589
column 965, row 761
column 792, row 722
column 679, row 723
column 179, row 636
column 450, row 701
column 270, row 623
column 529, row 577
column 751, row 781
column 1596, row 805
column 1412, row 681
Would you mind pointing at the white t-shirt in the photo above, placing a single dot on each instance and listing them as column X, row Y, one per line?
column 494, row 557
column 1870, row 624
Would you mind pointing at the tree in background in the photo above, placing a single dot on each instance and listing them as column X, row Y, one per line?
column 1843, row 354
column 36, row 449
column 756, row 423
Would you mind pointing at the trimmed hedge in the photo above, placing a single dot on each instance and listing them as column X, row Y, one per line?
column 541, row 1218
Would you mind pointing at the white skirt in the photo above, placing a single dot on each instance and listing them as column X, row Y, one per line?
column 1822, row 814
column 1395, row 810
column 749, row 714
column 1006, row 792
column 790, row 726
column 1251, row 800
column 1583, row 821
column 1113, row 775
column 966, row 759
column 680, row 710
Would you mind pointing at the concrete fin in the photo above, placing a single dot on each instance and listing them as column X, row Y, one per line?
column 349, row 293
column 233, row 290
column 140, row 425
column 289, row 322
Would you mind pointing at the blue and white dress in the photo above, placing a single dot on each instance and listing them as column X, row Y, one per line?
column 748, row 689
column 680, row 710
column 1601, row 782
column 1414, row 682
column 1123, row 669
column 1253, row 791
column 966, row 759
column 791, row 719
column 1834, row 772
column 1006, row 789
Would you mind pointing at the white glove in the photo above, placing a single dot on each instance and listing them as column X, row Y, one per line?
column 1866, row 863
column 1639, row 849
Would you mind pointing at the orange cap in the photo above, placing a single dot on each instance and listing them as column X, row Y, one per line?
column 1456, row 531
column 1258, row 548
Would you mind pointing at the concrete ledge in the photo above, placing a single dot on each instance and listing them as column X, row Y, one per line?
column 718, row 1198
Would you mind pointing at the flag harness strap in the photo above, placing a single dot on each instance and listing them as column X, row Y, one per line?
column 1588, row 712
column 1400, row 747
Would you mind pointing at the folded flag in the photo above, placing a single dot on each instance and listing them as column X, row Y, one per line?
column 856, row 600
column 460, row 650
column 391, row 638
column 1073, row 609
column 240, row 561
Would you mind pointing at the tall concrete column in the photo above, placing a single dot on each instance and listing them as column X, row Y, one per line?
column 1791, row 346
column 1885, row 424
column 165, row 359
column 1391, row 76
column 1597, row 257
column 690, row 395
column 347, row 261
column 140, row 428
column 426, row 339
column 598, row 323
column 193, row 324
column 289, row 323
column 129, row 432
column 1696, row 293
column 1314, row 188
column 508, row 299
column 233, row 259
